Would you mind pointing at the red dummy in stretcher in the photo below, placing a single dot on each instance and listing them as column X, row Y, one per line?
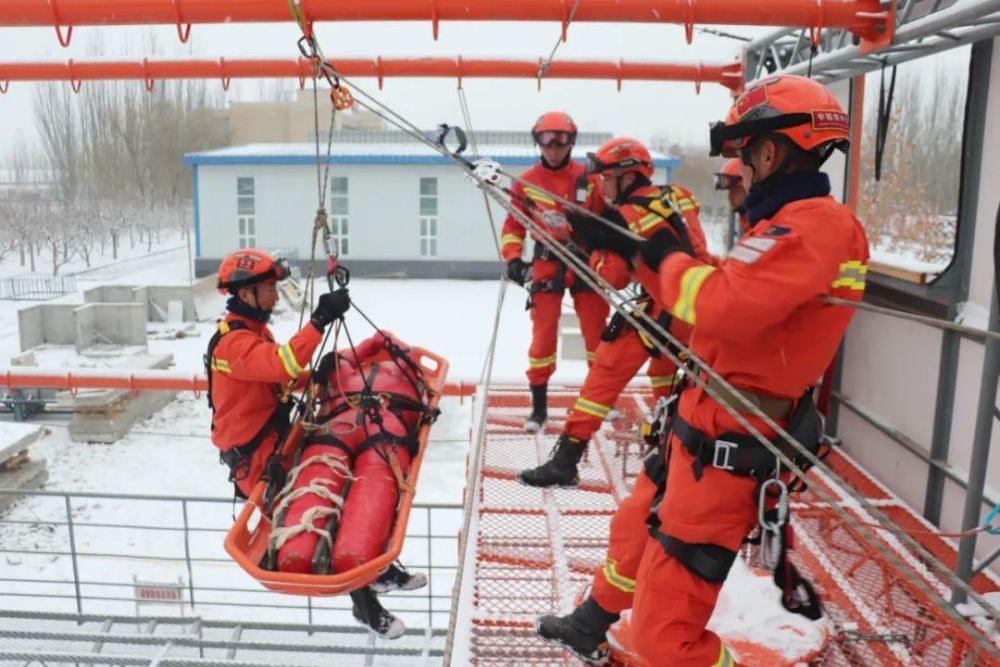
column 338, row 503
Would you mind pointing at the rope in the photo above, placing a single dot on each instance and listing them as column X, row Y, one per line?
column 486, row 379
column 543, row 67
column 317, row 487
column 595, row 282
column 467, row 119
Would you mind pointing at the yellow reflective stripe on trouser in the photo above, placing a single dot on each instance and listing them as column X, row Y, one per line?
column 539, row 196
column 289, row 361
column 726, row 658
column 542, row 362
column 691, row 283
column 660, row 381
column 220, row 365
column 852, row 275
column 591, row 408
column 619, row 581
column 511, row 238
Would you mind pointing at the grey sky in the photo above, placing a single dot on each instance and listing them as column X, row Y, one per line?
column 641, row 109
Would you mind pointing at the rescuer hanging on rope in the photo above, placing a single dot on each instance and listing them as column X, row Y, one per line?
column 250, row 375
column 625, row 167
column 759, row 324
column 546, row 276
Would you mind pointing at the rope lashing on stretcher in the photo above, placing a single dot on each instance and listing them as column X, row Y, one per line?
column 318, row 487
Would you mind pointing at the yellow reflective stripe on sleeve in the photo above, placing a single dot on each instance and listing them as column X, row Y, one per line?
column 691, row 283
column 220, row 365
column 289, row 361
column 511, row 238
column 591, row 408
column 538, row 195
column 660, row 381
column 648, row 222
column 616, row 579
column 591, row 356
column 852, row 275
column 726, row 658
column 224, row 327
column 541, row 362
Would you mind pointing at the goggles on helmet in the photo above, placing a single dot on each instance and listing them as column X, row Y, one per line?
column 595, row 166
column 727, row 182
column 553, row 138
column 728, row 140
column 279, row 270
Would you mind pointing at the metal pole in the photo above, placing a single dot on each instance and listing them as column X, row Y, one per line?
column 430, row 574
column 980, row 453
column 72, row 550
column 187, row 554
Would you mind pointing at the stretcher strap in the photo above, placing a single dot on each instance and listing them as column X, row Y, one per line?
column 279, row 536
column 318, row 487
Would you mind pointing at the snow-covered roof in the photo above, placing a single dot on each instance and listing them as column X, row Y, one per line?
column 379, row 153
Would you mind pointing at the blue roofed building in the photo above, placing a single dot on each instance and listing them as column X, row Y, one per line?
column 396, row 207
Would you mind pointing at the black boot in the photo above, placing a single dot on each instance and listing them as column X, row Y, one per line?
column 539, row 408
column 398, row 578
column 368, row 611
column 583, row 632
column 560, row 469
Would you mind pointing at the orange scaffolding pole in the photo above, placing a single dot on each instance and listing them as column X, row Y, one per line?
column 150, row 70
column 32, row 377
column 865, row 17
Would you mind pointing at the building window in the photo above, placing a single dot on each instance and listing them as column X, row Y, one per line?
column 246, row 212
column 338, row 213
column 428, row 216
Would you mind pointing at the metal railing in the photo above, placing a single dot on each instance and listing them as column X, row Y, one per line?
column 85, row 552
column 36, row 287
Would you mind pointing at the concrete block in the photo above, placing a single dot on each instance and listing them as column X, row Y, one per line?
column 162, row 295
column 106, row 415
column 30, row 328
column 26, row 358
column 58, row 322
column 85, row 326
column 15, row 437
column 29, row 475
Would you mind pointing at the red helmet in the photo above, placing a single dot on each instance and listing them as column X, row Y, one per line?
column 250, row 267
column 554, row 127
column 621, row 156
column 801, row 109
column 730, row 176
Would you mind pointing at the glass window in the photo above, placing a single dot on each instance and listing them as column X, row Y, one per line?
column 428, row 206
column 338, row 205
column 245, row 205
column 911, row 213
column 429, row 186
column 244, row 186
column 338, row 185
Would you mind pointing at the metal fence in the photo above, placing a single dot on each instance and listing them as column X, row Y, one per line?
column 90, row 553
column 36, row 287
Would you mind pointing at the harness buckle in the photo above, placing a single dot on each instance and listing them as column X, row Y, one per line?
column 723, row 451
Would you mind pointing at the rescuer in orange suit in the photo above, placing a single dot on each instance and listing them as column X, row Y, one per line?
column 546, row 275
column 250, row 374
column 759, row 324
column 625, row 168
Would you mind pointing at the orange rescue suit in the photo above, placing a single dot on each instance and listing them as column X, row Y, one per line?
column 549, row 276
column 758, row 322
column 618, row 361
column 250, row 372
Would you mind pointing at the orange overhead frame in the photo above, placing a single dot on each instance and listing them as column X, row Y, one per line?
column 867, row 18
column 135, row 381
column 150, row 70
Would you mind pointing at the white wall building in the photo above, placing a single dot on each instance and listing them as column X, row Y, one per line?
column 396, row 207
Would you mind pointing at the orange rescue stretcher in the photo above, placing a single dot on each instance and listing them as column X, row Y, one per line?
column 247, row 540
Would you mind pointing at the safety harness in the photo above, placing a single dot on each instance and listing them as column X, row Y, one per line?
column 558, row 283
column 237, row 458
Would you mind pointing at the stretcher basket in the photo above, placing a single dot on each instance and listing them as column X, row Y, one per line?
column 247, row 540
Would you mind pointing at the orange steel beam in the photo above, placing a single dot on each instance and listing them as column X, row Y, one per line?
column 866, row 17
column 150, row 70
column 33, row 377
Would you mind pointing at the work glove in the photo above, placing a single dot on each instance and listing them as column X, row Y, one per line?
column 321, row 374
column 597, row 235
column 665, row 241
column 331, row 306
column 518, row 271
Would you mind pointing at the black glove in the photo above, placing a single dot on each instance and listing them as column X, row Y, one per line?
column 664, row 242
column 331, row 306
column 599, row 235
column 321, row 374
column 519, row 271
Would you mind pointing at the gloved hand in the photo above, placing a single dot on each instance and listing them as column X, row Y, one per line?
column 321, row 374
column 519, row 271
column 664, row 242
column 331, row 306
column 597, row 235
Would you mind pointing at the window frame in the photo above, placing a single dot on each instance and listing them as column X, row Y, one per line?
column 428, row 225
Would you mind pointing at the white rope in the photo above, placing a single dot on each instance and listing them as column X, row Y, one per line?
column 318, row 487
